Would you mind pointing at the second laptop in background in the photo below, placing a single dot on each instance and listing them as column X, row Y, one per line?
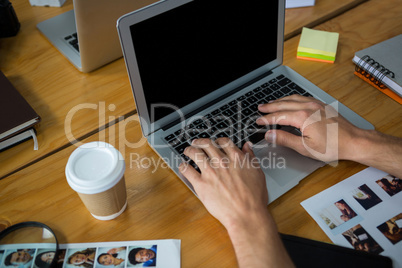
column 93, row 23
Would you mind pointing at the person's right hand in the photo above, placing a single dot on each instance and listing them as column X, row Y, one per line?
column 326, row 135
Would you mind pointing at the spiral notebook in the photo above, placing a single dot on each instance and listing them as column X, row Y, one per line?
column 381, row 66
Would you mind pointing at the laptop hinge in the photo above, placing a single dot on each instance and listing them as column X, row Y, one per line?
column 209, row 104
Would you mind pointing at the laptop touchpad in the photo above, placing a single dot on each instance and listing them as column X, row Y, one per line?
column 283, row 164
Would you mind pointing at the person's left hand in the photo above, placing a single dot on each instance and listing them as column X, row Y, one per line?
column 231, row 184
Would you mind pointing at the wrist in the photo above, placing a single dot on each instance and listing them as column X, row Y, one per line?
column 360, row 146
column 257, row 243
column 378, row 150
column 253, row 221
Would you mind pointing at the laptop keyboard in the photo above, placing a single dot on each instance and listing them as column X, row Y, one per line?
column 235, row 119
column 72, row 39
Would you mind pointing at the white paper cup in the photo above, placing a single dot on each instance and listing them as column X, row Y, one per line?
column 95, row 171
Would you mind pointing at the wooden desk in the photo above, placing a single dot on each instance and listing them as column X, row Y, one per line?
column 160, row 206
column 54, row 87
column 297, row 18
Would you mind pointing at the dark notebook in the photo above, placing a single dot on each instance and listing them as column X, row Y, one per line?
column 311, row 254
column 16, row 115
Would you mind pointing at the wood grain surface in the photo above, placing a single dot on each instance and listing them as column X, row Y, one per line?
column 160, row 206
column 55, row 88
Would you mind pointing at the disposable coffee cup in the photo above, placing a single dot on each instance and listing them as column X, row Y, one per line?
column 95, row 171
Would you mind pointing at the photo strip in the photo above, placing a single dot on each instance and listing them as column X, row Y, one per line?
column 152, row 253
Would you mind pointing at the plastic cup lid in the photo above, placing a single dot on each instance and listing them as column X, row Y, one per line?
column 94, row 168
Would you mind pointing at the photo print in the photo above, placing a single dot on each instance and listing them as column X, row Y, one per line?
column 337, row 213
column 44, row 257
column 21, row 258
column 390, row 184
column 360, row 239
column 111, row 257
column 142, row 256
column 1, row 256
column 61, row 255
column 83, row 257
column 392, row 229
column 365, row 197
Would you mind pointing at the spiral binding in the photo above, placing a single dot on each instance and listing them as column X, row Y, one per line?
column 366, row 63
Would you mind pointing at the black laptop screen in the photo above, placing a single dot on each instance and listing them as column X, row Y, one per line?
column 192, row 50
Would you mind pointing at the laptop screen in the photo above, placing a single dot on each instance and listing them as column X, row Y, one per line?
column 192, row 50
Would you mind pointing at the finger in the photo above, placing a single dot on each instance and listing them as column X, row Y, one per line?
column 286, row 139
column 190, row 173
column 248, row 150
column 228, row 148
column 291, row 104
column 285, row 118
column 209, row 147
column 294, row 97
column 198, row 156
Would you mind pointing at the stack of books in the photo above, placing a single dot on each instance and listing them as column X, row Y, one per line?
column 317, row 45
column 17, row 118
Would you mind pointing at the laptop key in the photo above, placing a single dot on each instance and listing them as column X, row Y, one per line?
column 274, row 87
column 264, row 85
column 228, row 113
column 284, row 82
column 250, row 93
column 180, row 149
column 259, row 95
column 251, row 99
column 169, row 137
column 256, row 137
column 241, row 98
column 215, row 112
column 246, row 112
column 244, row 104
column 204, row 135
column 278, row 94
column 299, row 89
column 286, row 90
column 280, row 77
column 174, row 142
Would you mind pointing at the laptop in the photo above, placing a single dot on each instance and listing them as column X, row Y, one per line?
column 199, row 69
column 93, row 23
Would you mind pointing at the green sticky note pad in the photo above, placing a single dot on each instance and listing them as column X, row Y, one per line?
column 318, row 42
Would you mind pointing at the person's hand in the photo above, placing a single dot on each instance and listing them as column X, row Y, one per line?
column 326, row 135
column 231, row 185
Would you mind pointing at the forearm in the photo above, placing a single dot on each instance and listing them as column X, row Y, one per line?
column 257, row 243
column 378, row 150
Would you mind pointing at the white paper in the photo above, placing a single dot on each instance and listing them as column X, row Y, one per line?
column 371, row 217
column 165, row 253
column 299, row 3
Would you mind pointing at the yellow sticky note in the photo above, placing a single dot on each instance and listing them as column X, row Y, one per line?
column 318, row 42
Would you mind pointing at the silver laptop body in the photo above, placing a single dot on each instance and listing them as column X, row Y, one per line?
column 93, row 23
column 186, row 59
